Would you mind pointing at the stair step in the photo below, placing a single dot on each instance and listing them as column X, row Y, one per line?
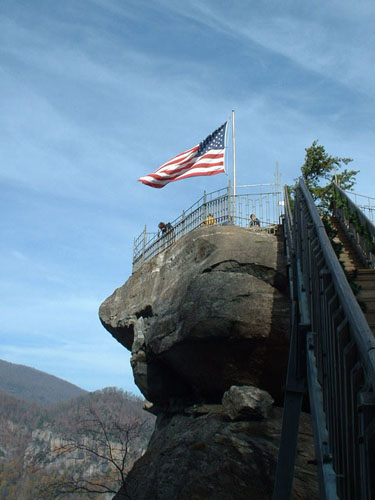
column 365, row 275
column 368, row 289
column 370, row 310
column 365, row 279
column 349, row 255
column 366, row 297
column 348, row 266
column 345, row 242
column 365, row 284
column 370, row 316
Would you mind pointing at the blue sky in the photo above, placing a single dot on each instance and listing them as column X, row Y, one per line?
column 96, row 93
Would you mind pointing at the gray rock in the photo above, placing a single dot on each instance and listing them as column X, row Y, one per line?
column 210, row 312
column 205, row 457
column 247, row 403
column 207, row 323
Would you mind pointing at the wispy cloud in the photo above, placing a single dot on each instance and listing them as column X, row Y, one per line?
column 333, row 40
column 99, row 92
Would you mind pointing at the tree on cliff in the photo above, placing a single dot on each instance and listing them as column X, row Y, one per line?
column 95, row 457
column 319, row 171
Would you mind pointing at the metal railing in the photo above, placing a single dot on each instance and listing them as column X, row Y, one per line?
column 357, row 226
column 365, row 203
column 333, row 348
column 223, row 207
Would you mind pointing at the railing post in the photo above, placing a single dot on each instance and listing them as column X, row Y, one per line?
column 229, row 204
column 144, row 243
column 366, row 411
column 204, row 206
column 183, row 223
column 134, row 252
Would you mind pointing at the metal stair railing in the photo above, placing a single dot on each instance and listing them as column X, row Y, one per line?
column 333, row 350
column 365, row 203
column 356, row 225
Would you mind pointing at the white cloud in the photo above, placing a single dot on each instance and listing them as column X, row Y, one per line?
column 97, row 93
column 18, row 255
column 334, row 40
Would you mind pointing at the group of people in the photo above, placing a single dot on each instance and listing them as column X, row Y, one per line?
column 210, row 220
column 168, row 231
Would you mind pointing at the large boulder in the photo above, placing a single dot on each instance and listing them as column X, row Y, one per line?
column 207, row 323
column 247, row 402
column 209, row 312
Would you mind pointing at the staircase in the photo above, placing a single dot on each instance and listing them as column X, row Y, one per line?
column 348, row 257
column 364, row 278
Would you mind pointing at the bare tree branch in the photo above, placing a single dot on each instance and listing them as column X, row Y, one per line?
column 104, row 440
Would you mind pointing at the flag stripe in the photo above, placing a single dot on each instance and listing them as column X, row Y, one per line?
column 181, row 157
column 162, row 183
column 201, row 166
column 206, row 158
column 206, row 165
column 187, row 165
column 218, row 167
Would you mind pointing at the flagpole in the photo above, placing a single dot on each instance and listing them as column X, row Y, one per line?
column 234, row 165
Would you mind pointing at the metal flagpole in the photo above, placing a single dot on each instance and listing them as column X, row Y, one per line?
column 234, row 166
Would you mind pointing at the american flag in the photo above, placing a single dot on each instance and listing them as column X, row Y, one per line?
column 206, row 158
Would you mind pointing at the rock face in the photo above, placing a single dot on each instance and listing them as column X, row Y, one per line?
column 210, row 312
column 207, row 457
column 207, row 323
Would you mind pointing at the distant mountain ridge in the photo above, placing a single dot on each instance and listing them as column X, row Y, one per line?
column 34, row 385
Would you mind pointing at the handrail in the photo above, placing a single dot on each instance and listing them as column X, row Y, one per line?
column 364, row 337
column 288, row 221
column 357, row 226
column 368, row 205
column 331, row 348
column 343, row 349
column 224, row 207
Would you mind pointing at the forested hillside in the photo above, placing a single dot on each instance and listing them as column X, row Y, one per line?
column 70, row 449
column 35, row 386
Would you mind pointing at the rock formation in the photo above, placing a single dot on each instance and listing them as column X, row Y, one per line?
column 207, row 323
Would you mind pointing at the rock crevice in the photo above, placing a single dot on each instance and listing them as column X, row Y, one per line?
column 267, row 274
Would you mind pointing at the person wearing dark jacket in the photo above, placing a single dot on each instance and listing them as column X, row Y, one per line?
column 167, row 231
column 254, row 222
column 165, row 228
